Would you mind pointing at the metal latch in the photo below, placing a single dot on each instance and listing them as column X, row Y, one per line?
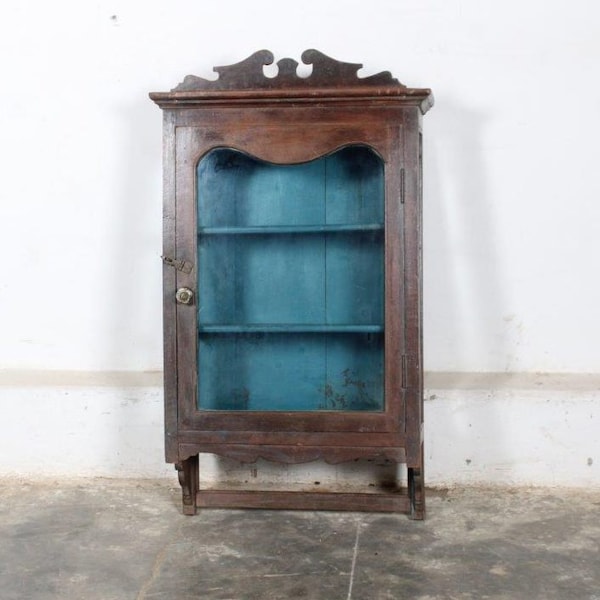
column 181, row 265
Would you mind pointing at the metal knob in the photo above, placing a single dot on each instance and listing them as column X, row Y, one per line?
column 184, row 296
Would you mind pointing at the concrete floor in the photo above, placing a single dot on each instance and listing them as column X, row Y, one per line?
column 118, row 540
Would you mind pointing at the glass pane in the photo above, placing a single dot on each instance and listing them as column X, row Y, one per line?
column 290, row 282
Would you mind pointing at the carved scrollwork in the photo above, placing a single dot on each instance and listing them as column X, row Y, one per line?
column 248, row 74
column 187, row 473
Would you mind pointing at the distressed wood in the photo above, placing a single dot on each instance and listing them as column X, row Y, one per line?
column 193, row 441
column 169, row 287
column 361, row 502
column 416, row 492
column 245, row 81
column 189, row 479
column 277, row 355
column 288, row 454
column 249, row 75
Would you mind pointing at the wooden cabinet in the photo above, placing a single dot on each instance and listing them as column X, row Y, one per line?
column 292, row 276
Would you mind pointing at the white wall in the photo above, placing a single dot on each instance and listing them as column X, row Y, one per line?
column 516, row 429
column 512, row 210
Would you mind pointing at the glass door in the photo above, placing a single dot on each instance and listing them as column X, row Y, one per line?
column 291, row 283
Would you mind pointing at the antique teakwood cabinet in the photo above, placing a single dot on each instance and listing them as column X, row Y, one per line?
column 292, row 276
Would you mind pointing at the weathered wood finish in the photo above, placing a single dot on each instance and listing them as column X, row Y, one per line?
column 361, row 502
column 288, row 120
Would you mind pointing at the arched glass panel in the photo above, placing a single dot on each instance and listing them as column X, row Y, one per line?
column 291, row 282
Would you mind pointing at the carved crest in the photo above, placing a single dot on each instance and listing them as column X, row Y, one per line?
column 249, row 75
column 329, row 79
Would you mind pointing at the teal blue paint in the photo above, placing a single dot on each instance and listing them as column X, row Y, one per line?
column 290, row 283
column 261, row 279
column 354, row 279
column 306, row 371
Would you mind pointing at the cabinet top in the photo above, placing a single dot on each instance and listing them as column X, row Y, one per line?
column 330, row 80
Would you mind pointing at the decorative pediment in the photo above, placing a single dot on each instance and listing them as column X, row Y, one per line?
column 249, row 75
column 330, row 79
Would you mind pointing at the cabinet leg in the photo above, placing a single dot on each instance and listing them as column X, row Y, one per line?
column 189, row 476
column 416, row 493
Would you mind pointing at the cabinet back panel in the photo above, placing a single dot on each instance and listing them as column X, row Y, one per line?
column 297, row 372
column 261, row 279
column 238, row 190
column 333, row 279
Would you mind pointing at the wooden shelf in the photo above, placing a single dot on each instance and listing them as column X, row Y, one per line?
column 290, row 328
column 287, row 229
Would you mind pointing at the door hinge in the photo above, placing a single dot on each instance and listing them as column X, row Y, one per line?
column 402, row 185
column 410, row 371
column 181, row 265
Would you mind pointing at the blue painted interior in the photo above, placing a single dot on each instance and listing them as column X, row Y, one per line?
column 290, row 282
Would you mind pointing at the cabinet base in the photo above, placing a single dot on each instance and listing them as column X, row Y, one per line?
column 410, row 502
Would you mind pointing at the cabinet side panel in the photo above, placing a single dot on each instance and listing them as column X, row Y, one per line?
column 412, row 289
column 169, row 283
